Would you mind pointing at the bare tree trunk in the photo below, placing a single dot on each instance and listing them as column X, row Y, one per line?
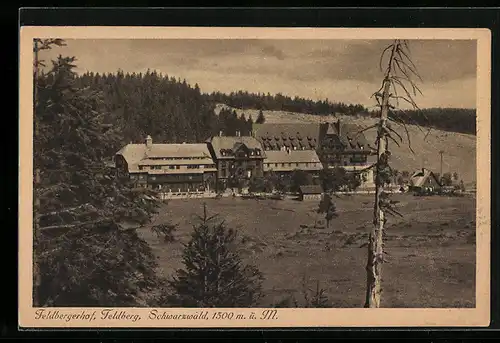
column 375, row 244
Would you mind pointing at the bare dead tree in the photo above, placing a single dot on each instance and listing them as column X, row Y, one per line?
column 398, row 85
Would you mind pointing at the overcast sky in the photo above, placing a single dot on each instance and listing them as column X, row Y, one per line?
column 340, row 70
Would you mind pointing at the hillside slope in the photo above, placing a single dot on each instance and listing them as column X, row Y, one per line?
column 459, row 149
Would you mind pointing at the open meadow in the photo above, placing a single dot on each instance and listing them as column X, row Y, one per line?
column 431, row 250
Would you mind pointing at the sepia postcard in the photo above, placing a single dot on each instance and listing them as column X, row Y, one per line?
column 209, row 177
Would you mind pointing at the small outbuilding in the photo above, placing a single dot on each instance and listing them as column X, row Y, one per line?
column 310, row 192
column 425, row 181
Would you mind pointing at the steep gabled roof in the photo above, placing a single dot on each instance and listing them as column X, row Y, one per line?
column 332, row 130
column 233, row 143
column 136, row 154
column 420, row 177
column 178, row 150
column 132, row 153
column 349, row 135
column 308, row 135
column 289, row 134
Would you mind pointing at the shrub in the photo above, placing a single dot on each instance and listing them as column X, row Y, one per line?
column 214, row 274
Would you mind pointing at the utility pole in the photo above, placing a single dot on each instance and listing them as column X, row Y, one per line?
column 441, row 152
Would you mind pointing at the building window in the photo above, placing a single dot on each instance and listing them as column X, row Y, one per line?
column 276, row 164
column 141, row 167
column 171, row 167
column 177, row 167
column 153, row 178
column 282, row 164
column 296, row 164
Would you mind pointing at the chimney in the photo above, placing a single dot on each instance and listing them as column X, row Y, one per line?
column 237, row 133
column 149, row 141
column 220, row 133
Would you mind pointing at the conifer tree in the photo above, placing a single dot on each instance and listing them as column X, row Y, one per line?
column 83, row 255
column 327, row 207
column 260, row 118
column 214, row 273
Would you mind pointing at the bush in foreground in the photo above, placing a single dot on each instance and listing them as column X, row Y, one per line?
column 214, row 274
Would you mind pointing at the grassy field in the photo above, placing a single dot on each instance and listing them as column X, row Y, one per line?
column 458, row 147
column 432, row 249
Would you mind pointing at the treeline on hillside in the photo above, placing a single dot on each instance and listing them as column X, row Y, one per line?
column 141, row 104
column 448, row 119
column 168, row 109
column 280, row 102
